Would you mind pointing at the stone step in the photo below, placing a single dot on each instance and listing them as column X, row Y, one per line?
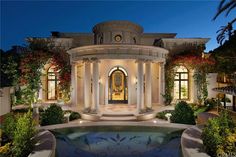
column 118, row 118
column 118, row 114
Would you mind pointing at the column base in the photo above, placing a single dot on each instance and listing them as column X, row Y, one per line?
column 93, row 111
column 87, row 110
column 145, row 110
column 90, row 111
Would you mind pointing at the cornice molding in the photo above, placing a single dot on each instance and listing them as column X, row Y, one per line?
column 118, row 52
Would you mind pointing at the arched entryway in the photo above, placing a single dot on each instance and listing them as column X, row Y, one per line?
column 118, row 88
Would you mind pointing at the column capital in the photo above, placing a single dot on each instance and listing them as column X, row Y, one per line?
column 86, row 60
column 139, row 60
column 148, row 61
column 162, row 63
column 73, row 63
column 95, row 60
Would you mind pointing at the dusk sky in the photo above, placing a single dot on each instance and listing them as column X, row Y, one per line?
column 21, row 19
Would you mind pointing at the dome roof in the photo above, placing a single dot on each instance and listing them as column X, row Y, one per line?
column 117, row 25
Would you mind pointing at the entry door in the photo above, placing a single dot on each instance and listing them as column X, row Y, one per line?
column 118, row 91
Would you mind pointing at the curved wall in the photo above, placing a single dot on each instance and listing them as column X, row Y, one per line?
column 117, row 32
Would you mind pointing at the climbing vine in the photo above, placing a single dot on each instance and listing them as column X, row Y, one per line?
column 33, row 61
column 200, row 65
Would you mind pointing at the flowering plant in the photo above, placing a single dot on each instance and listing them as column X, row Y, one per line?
column 33, row 62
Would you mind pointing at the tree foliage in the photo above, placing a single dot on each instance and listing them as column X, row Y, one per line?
column 10, row 61
column 225, row 57
column 225, row 6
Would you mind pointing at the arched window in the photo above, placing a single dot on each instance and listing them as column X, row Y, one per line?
column 181, row 83
column 52, row 83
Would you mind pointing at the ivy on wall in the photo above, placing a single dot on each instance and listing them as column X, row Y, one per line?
column 32, row 62
column 200, row 65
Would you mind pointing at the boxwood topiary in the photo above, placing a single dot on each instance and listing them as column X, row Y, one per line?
column 183, row 113
column 52, row 115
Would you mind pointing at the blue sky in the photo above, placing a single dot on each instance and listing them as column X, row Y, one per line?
column 21, row 19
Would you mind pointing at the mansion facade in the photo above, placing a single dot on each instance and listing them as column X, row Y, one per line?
column 117, row 63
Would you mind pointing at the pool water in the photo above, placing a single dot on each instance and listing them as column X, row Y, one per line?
column 118, row 141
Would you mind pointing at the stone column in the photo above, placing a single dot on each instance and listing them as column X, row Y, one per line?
column 162, row 82
column 140, row 97
column 95, row 103
column 148, row 85
column 87, row 84
column 74, row 91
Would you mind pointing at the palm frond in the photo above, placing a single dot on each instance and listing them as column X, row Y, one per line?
column 223, row 30
column 223, row 6
column 232, row 7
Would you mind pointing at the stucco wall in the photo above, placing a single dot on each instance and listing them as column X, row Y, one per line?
column 5, row 102
column 211, row 80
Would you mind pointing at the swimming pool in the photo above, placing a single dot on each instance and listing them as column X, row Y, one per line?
column 118, row 141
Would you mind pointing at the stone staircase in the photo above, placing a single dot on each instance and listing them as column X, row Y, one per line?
column 118, row 117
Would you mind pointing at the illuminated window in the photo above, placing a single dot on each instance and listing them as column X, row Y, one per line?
column 52, row 83
column 181, row 83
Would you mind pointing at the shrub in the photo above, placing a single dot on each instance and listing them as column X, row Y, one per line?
column 183, row 113
column 52, row 115
column 194, row 106
column 9, row 125
column 5, row 150
column 200, row 110
column 23, row 134
column 210, row 103
column 161, row 115
column 167, row 98
column 219, row 136
column 22, row 110
column 74, row 116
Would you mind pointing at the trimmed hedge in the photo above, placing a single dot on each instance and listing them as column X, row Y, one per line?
column 52, row 115
column 183, row 114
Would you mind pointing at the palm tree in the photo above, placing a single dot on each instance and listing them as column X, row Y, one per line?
column 225, row 6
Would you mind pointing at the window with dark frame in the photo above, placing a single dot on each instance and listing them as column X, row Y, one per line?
column 52, row 84
column 181, row 83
